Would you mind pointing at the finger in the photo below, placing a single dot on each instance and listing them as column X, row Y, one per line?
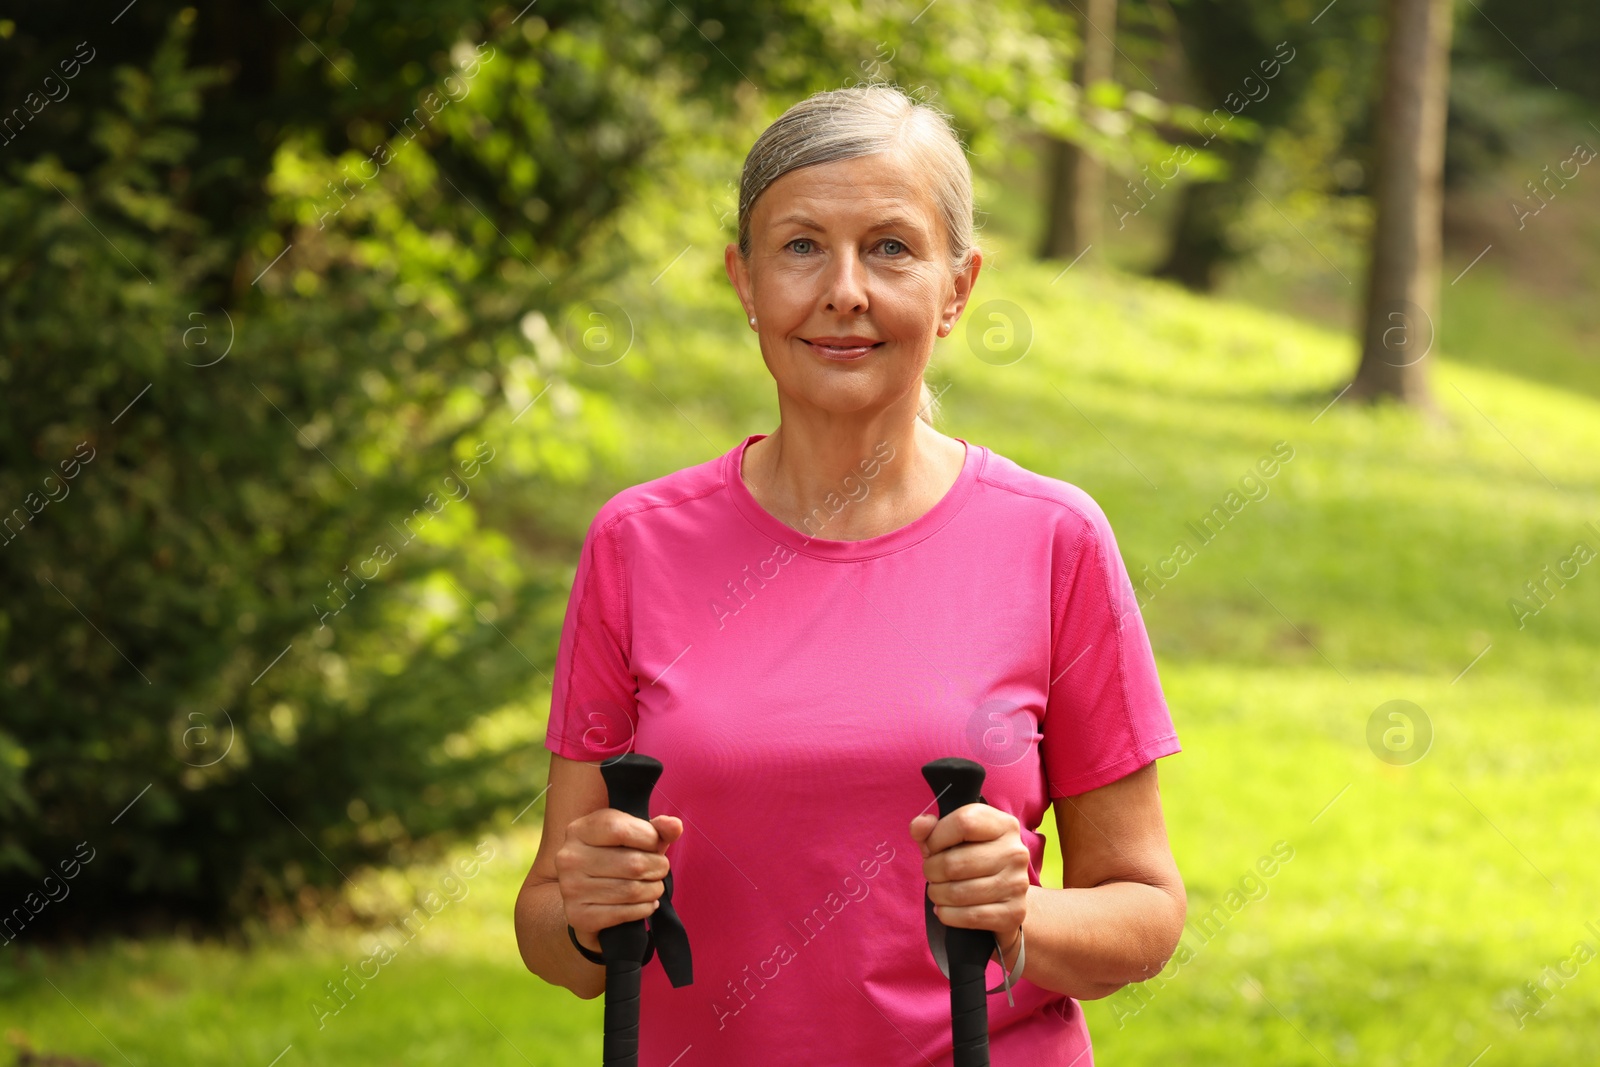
column 592, row 918
column 921, row 827
column 668, row 828
column 634, row 864
column 974, row 892
column 970, row 822
column 593, row 890
column 609, row 828
column 999, row 919
column 976, row 859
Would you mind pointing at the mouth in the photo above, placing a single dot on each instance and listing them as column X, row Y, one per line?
column 842, row 347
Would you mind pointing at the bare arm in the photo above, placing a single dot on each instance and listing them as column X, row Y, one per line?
column 595, row 867
column 1121, row 912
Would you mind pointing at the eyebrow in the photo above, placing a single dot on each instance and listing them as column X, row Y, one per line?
column 891, row 222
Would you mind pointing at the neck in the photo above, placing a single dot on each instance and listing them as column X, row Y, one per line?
column 847, row 480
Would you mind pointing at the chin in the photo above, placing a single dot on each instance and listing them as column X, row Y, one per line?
column 843, row 399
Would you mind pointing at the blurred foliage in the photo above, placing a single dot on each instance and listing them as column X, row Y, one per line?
column 294, row 284
column 1288, row 77
column 1313, row 150
column 207, row 612
column 1549, row 43
column 300, row 432
column 1502, row 101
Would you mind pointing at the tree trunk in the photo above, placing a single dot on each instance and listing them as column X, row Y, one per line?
column 1076, row 194
column 1200, row 244
column 1403, row 280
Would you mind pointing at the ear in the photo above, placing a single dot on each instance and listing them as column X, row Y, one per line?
column 964, row 282
column 739, row 274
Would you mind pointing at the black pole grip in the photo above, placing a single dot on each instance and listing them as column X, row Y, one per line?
column 629, row 780
column 621, row 1045
column 957, row 782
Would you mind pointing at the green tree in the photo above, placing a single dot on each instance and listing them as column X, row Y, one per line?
column 1230, row 47
column 273, row 284
column 1076, row 182
column 1403, row 276
column 291, row 529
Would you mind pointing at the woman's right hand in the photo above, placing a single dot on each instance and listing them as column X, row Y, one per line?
column 611, row 868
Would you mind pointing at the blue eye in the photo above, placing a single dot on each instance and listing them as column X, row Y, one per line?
column 898, row 250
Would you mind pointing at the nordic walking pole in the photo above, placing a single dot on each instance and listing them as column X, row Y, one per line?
column 628, row 946
column 957, row 782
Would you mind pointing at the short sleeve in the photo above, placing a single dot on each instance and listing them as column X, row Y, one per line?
column 594, row 695
column 1106, row 715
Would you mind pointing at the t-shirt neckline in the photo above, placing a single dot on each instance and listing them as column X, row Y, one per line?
column 819, row 547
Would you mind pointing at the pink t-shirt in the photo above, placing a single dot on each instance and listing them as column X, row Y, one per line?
column 793, row 686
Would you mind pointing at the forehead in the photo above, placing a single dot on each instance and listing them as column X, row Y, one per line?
column 884, row 183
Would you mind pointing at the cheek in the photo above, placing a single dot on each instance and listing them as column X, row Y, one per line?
column 928, row 289
column 782, row 299
column 914, row 304
column 912, row 297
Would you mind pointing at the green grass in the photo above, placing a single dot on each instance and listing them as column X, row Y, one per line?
column 1377, row 567
column 457, row 993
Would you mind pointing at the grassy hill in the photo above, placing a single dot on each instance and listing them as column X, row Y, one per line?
column 1375, row 565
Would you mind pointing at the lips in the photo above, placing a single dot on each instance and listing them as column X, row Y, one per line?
column 852, row 347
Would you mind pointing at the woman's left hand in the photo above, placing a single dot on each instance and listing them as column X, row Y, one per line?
column 977, row 869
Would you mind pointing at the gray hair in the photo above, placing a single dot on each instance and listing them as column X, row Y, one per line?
column 863, row 120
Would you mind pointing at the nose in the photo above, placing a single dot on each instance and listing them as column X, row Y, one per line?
column 845, row 287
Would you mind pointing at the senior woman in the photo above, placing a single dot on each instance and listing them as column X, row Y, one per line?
column 796, row 626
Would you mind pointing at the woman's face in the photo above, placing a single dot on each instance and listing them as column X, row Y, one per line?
column 849, row 281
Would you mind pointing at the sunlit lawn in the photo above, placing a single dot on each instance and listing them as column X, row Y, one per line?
column 1378, row 566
